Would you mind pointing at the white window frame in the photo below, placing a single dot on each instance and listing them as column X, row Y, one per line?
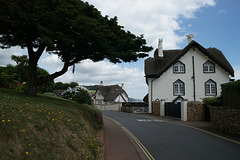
column 179, row 67
column 178, row 88
column 208, row 67
column 210, row 88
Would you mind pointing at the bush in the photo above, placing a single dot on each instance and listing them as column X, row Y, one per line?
column 78, row 94
column 212, row 101
column 127, row 105
column 235, row 86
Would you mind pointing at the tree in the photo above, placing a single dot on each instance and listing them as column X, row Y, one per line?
column 72, row 29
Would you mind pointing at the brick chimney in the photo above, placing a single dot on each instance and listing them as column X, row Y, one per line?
column 160, row 50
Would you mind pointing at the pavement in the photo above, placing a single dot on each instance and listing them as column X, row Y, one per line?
column 115, row 144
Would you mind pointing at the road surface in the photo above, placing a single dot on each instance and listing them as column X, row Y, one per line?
column 169, row 141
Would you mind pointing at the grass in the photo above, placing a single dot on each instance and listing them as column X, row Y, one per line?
column 42, row 127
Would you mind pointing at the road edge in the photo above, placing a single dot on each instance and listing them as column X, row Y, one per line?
column 138, row 148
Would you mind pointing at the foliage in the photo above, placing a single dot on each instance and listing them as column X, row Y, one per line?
column 6, row 80
column 72, row 29
column 47, row 86
column 127, row 105
column 77, row 94
column 16, row 76
column 43, row 127
column 73, row 84
column 235, row 86
column 212, row 101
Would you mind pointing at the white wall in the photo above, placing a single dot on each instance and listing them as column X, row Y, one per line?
column 163, row 86
column 120, row 98
column 111, row 107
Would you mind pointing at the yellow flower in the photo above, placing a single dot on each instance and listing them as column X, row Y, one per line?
column 29, row 144
column 3, row 120
column 8, row 120
column 26, row 103
column 26, row 153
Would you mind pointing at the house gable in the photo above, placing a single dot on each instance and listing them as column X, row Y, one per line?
column 155, row 67
column 110, row 93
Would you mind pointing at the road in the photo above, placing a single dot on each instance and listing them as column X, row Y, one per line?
column 169, row 141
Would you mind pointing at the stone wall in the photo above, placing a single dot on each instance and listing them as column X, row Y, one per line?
column 195, row 111
column 156, row 108
column 226, row 119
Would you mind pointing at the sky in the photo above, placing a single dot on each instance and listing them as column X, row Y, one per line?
column 215, row 23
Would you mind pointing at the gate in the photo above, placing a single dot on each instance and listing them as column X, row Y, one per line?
column 173, row 109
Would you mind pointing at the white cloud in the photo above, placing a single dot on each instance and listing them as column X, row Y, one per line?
column 89, row 73
column 236, row 72
column 222, row 11
column 5, row 55
column 153, row 18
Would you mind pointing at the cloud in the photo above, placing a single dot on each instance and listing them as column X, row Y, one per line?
column 237, row 72
column 5, row 55
column 89, row 73
column 153, row 18
column 222, row 11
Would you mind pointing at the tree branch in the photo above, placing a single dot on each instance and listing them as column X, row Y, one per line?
column 56, row 74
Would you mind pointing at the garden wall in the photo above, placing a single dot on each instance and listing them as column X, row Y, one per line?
column 195, row 111
column 226, row 119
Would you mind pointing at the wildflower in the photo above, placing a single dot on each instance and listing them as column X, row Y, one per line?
column 26, row 153
column 27, row 104
column 52, row 119
column 29, row 144
column 3, row 120
column 8, row 120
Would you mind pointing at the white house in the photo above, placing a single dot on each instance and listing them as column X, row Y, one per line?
column 191, row 73
column 110, row 97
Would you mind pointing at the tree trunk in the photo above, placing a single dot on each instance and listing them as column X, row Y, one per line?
column 32, row 83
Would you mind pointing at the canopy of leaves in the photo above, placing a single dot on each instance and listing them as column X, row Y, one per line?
column 72, row 29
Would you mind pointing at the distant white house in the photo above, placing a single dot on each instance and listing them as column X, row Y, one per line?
column 191, row 73
column 110, row 97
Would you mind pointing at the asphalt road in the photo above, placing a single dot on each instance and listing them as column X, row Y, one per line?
column 169, row 141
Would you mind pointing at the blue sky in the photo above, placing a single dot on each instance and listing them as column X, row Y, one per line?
column 215, row 23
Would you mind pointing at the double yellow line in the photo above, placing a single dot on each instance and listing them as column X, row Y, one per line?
column 140, row 145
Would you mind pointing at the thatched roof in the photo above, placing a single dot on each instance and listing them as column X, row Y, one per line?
column 110, row 93
column 154, row 67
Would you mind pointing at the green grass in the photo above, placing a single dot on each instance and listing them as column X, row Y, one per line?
column 42, row 127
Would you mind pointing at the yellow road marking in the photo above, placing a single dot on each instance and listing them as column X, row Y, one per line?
column 140, row 145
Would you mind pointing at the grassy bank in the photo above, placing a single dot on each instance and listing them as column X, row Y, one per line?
column 41, row 127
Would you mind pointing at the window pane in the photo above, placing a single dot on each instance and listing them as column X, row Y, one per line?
column 205, row 68
column 211, row 68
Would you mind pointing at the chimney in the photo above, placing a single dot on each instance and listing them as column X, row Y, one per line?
column 122, row 86
column 190, row 37
column 160, row 50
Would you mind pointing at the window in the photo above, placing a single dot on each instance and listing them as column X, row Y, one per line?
column 178, row 88
column 179, row 67
column 210, row 88
column 208, row 67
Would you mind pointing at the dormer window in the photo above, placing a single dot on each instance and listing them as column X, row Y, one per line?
column 179, row 67
column 208, row 67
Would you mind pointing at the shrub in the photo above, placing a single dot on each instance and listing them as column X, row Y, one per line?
column 78, row 94
column 212, row 101
column 127, row 105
